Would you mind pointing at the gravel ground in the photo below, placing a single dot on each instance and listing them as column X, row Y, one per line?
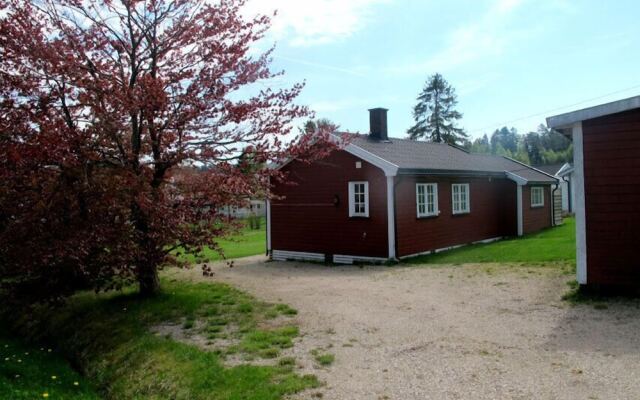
column 480, row 331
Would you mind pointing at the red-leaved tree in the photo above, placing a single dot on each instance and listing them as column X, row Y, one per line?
column 124, row 127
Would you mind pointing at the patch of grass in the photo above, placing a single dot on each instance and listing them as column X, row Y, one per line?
column 325, row 359
column 259, row 340
column 108, row 336
column 599, row 300
column 551, row 245
column 189, row 322
column 284, row 309
column 32, row 372
column 247, row 242
column 245, row 308
column 287, row 361
column 269, row 353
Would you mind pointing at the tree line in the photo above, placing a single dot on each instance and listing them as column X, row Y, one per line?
column 542, row 147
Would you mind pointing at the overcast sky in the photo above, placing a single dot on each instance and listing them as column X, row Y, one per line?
column 512, row 62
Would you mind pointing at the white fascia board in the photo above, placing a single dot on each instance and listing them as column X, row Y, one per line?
column 567, row 120
column 388, row 168
column 516, row 178
column 564, row 170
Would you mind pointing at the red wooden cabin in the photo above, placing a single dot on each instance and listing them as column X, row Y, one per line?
column 382, row 198
column 606, row 152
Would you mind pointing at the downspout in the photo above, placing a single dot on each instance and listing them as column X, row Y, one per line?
column 553, row 204
column 519, row 209
column 268, row 219
column 569, row 202
column 267, row 243
column 395, row 219
column 391, row 218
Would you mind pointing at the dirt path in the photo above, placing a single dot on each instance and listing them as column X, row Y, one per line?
column 457, row 332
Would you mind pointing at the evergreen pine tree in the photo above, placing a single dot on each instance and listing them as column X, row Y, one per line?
column 435, row 113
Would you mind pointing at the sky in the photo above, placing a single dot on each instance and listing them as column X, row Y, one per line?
column 512, row 62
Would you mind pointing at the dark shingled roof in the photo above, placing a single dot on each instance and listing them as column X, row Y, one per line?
column 551, row 169
column 420, row 156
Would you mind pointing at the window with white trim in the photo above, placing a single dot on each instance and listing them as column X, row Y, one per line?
column 537, row 196
column 460, row 198
column 426, row 199
column 358, row 199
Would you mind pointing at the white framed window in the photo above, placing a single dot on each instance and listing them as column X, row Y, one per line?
column 359, row 199
column 461, row 201
column 426, row 199
column 537, row 196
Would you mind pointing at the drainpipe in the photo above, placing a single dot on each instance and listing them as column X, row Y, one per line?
column 519, row 209
column 267, row 203
column 391, row 218
column 569, row 202
column 395, row 207
column 553, row 204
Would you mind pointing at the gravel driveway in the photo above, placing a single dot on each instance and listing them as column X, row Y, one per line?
column 450, row 332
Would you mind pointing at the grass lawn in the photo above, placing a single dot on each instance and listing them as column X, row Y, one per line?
column 32, row 372
column 556, row 244
column 248, row 242
column 110, row 337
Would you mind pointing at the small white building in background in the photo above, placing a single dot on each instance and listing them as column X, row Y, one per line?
column 564, row 173
column 255, row 207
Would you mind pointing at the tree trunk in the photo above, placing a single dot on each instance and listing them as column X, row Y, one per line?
column 148, row 280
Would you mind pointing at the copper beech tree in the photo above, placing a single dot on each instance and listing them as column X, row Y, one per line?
column 124, row 128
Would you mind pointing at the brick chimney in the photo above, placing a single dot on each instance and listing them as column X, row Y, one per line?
column 378, row 124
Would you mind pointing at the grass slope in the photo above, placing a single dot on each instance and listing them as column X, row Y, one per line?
column 31, row 372
column 248, row 242
column 551, row 245
column 109, row 337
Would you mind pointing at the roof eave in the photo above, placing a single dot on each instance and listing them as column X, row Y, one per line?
column 449, row 172
column 563, row 122
column 389, row 168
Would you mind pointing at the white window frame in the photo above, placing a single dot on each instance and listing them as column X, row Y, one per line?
column 424, row 200
column 352, row 203
column 456, row 206
column 540, row 190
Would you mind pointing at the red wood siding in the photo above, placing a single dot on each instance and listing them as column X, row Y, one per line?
column 535, row 218
column 493, row 213
column 307, row 220
column 612, row 198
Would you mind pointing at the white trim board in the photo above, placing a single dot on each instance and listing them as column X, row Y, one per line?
column 391, row 218
column 581, row 223
column 520, row 214
column 268, row 225
column 388, row 168
column 569, row 119
column 517, row 178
